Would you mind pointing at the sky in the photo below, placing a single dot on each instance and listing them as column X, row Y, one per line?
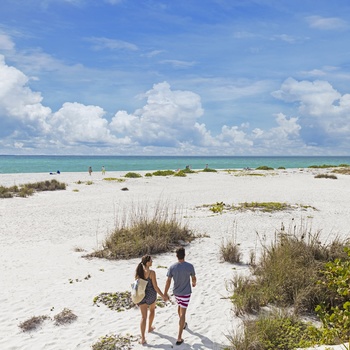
column 175, row 77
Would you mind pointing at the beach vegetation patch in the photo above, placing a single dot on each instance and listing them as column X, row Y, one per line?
column 180, row 173
column 163, row 173
column 230, row 251
column 326, row 176
column 264, row 167
column 132, row 175
column 322, row 166
column 275, row 331
column 29, row 188
column 218, row 207
column 113, row 179
column 297, row 272
column 115, row 342
column 343, row 171
column 118, row 301
column 148, row 175
column 209, row 170
column 33, row 323
column 64, row 317
column 143, row 232
column 281, row 168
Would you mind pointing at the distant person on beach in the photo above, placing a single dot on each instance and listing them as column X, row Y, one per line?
column 90, row 170
column 103, row 170
column 183, row 274
column 144, row 271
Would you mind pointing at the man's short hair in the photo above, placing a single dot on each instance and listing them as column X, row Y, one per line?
column 180, row 253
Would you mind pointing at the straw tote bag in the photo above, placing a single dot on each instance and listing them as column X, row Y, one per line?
column 138, row 289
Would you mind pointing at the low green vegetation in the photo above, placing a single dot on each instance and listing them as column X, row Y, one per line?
column 115, row 342
column 163, row 173
column 325, row 176
column 113, row 179
column 118, row 301
column 269, row 207
column 30, row 188
column 132, row 175
column 296, row 273
column 209, row 170
column 264, row 167
column 142, row 233
column 230, row 251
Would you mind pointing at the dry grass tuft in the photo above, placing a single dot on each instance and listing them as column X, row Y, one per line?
column 64, row 317
column 33, row 323
column 140, row 232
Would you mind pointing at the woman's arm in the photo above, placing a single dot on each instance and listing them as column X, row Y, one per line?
column 155, row 284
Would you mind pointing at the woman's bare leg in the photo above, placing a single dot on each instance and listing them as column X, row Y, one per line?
column 152, row 312
column 143, row 309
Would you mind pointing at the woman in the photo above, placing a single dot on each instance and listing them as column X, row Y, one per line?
column 149, row 301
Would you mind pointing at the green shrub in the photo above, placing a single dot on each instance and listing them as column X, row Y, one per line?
column 209, row 170
column 132, row 175
column 322, row 166
column 148, row 175
column 180, row 173
column 325, row 176
column 163, row 173
column 264, row 167
column 218, row 207
column 276, row 331
column 115, row 342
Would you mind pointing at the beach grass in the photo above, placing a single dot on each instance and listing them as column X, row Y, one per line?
column 290, row 276
column 142, row 232
column 30, row 188
column 325, row 176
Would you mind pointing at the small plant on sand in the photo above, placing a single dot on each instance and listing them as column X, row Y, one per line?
column 230, row 251
column 209, row 170
column 343, row 171
column 218, row 207
column 264, row 206
column 132, row 175
column 115, row 342
column 264, row 167
column 64, row 317
column 29, row 188
column 163, row 173
column 148, row 175
column 325, row 176
column 33, row 323
column 118, row 301
column 113, row 179
column 143, row 232
column 180, row 173
column 89, row 183
column 271, row 332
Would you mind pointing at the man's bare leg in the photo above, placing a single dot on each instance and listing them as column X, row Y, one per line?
column 182, row 320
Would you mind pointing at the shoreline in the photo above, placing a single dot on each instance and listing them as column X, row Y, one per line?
column 40, row 235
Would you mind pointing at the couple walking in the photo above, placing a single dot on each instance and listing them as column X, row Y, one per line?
column 182, row 273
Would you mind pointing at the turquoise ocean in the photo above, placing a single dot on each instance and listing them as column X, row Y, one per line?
column 10, row 164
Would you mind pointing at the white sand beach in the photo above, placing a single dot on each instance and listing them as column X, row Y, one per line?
column 41, row 271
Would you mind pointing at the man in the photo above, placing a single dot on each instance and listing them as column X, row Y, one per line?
column 182, row 273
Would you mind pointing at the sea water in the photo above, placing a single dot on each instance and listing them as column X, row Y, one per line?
column 10, row 164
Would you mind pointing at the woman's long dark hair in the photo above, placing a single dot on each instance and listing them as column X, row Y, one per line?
column 139, row 269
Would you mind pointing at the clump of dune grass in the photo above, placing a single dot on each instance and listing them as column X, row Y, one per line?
column 118, row 301
column 29, row 188
column 141, row 232
column 115, row 342
column 325, row 176
column 180, row 173
column 132, row 175
column 230, row 251
column 264, row 167
column 323, row 166
column 277, row 330
column 148, row 175
column 287, row 273
column 113, row 179
column 209, row 170
column 163, row 173
column 64, row 317
column 293, row 278
column 33, row 323
column 343, row 171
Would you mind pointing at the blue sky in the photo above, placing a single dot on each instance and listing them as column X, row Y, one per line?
column 166, row 77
